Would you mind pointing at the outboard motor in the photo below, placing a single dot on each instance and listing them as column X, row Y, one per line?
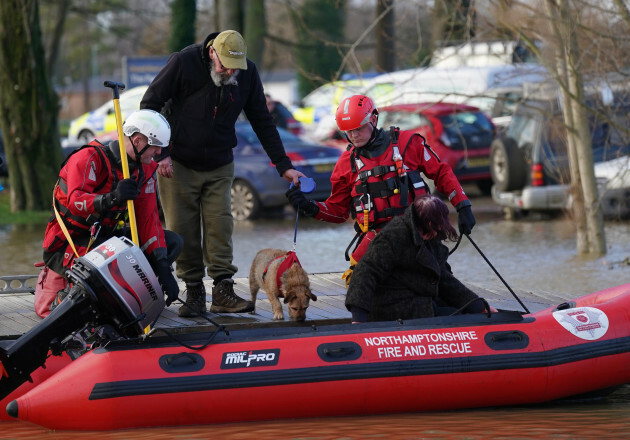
column 113, row 287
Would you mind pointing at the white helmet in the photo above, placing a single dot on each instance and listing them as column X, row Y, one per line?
column 151, row 124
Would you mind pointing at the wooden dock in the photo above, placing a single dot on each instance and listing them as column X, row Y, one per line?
column 17, row 314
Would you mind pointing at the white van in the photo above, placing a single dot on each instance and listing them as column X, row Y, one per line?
column 494, row 89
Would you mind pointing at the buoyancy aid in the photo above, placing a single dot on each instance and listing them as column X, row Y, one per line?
column 384, row 185
column 79, row 226
column 60, row 195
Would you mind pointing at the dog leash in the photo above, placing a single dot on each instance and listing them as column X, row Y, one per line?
column 297, row 215
column 307, row 185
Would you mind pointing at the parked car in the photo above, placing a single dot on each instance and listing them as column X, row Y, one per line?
column 258, row 187
column 101, row 123
column 530, row 163
column 459, row 134
column 317, row 109
column 613, row 184
column 494, row 89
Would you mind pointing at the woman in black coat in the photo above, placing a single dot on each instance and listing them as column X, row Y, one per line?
column 404, row 271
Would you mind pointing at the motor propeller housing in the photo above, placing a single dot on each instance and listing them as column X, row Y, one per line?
column 115, row 294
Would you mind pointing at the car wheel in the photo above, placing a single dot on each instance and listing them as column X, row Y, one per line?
column 485, row 186
column 507, row 165
column 245, row 202
column 85, row 136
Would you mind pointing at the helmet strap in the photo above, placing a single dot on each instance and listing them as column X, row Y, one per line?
column 138, row 154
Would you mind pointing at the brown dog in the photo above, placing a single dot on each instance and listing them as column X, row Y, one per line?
column 294, row 283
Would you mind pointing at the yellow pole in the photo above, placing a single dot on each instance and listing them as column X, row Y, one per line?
column 116, row 88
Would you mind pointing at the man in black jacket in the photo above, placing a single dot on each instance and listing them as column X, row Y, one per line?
column 202, row 90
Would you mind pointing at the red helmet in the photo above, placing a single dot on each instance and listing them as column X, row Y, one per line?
column 355, row 111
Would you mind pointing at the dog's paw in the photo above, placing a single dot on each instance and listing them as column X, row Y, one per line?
column 278, row 317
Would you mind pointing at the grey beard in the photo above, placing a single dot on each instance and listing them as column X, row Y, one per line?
column 220, row 80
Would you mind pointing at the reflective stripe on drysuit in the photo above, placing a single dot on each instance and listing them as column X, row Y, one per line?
column 89, row 172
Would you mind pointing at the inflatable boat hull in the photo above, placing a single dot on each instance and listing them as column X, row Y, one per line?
column 341, row 370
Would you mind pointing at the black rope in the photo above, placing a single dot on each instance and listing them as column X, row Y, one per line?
column 219, row 328
column 459, row 240
column 495, row 271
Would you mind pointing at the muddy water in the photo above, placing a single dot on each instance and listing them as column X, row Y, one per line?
column 536, row 255
column 533, row 255
column 605, row 420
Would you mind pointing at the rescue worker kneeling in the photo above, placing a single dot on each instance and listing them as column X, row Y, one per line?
column 90, row 206
column 405, row 275
column 378, row 176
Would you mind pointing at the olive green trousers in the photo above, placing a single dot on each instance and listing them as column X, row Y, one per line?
column 198, row 206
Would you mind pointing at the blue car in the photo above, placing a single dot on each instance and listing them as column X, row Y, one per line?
column 257, row 186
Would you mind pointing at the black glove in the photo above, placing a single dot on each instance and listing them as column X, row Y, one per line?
column 127, row 189
column 466, row 219
column 167, row 281
column 297, row 199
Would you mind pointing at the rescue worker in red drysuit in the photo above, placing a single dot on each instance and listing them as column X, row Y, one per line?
column 90, row 198
column 378, row 176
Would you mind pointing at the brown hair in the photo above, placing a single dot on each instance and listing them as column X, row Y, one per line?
column 432, row 214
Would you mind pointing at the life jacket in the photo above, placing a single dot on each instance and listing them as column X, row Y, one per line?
column 384, row 185
column 79, row 227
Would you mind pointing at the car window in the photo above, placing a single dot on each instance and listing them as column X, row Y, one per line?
column 472, row 129
column 523, row 130
column 611, row 138
column 403, row 120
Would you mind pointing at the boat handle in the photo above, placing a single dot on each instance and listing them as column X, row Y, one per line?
column 507, row 336
column 339, row 351
column 507, row 340
column 175, row 359
column 181, row 362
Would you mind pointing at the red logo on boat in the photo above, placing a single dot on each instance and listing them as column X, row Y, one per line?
column 587, row 323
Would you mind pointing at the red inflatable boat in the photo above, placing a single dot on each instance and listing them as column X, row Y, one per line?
column 465, row 361
column 121, row 378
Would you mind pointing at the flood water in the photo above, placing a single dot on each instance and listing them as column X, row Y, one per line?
column 534, row 255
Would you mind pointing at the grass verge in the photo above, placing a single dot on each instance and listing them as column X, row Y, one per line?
column 23, row 218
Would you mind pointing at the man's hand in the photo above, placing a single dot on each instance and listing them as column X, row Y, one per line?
column 165, row 167
column 292, row 176
column 127, row 189
column 167, row 281
column 305, row 206
column 466, row 219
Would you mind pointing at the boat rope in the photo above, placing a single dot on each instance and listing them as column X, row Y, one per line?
column 220, row 328
column 495, row 271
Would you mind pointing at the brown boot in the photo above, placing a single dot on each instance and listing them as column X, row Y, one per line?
column 224, row 300
column 195, row 304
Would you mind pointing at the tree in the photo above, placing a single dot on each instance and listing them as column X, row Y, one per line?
column 582, row 43
column 183, row 15
column 28, row 107
column 255, row 30
column 320, row 26
column 385, row 44
column 588, row 218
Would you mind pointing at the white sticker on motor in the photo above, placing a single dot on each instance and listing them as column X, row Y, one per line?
column 584, row 322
